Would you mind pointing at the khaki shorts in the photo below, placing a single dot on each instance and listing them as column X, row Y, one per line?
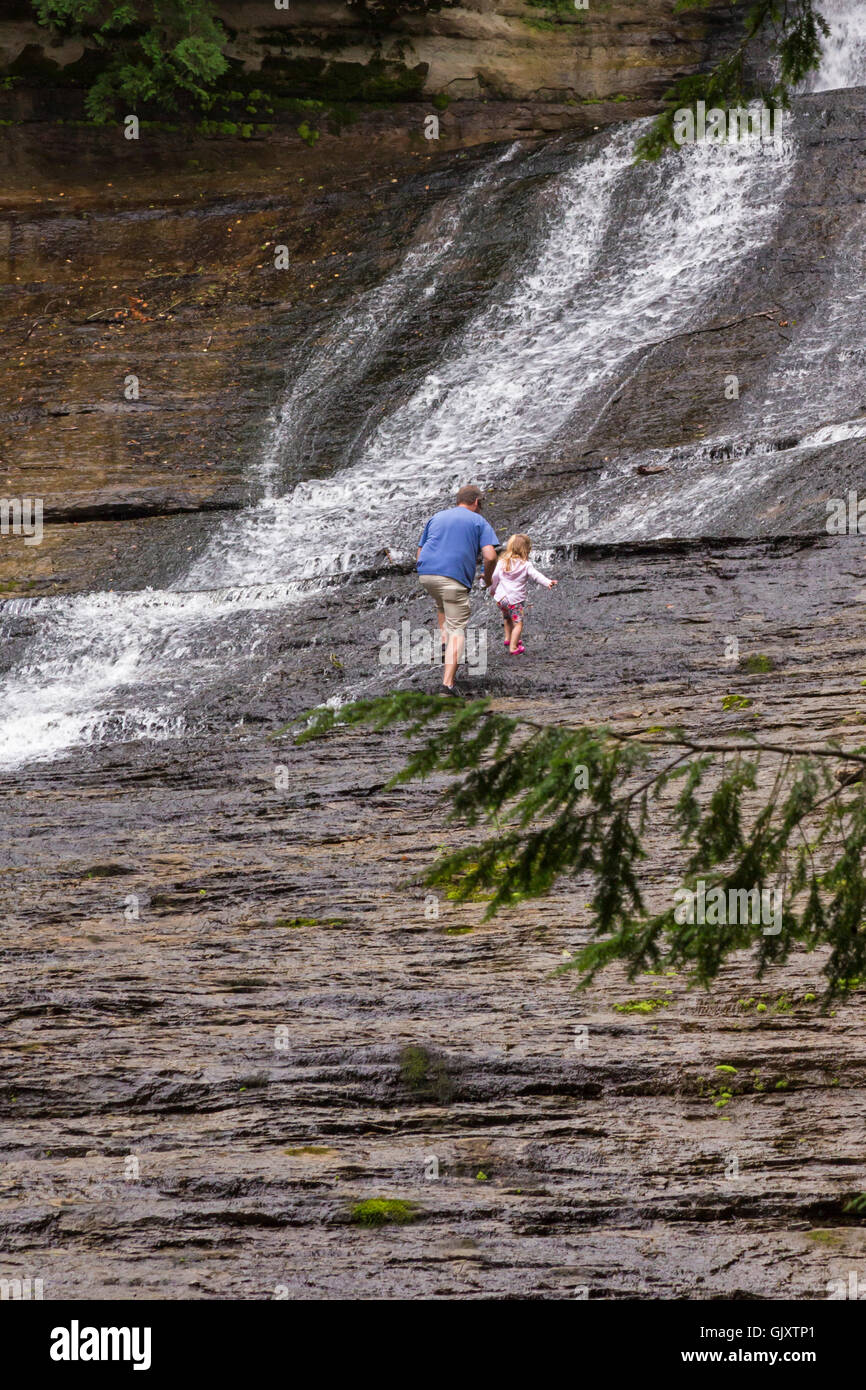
column 450, row 598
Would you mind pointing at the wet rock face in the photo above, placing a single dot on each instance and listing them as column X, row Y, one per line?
column 246, row 1059
column 249, row 1059
column 151, row 332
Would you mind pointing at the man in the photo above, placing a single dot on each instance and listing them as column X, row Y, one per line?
column 447, row 557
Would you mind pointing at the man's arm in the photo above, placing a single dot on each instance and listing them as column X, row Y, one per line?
column 489, row 554
column 422, row 542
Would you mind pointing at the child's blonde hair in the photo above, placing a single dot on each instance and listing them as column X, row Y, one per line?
column 518, row 548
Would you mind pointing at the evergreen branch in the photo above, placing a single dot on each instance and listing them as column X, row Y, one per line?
column 786, row 33
column 567, row 801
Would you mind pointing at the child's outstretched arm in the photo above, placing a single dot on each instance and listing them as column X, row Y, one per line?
column 540, row 578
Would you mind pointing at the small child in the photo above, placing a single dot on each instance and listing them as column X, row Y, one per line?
column 508, row 587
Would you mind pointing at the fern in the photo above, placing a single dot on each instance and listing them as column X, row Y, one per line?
column 159, row 51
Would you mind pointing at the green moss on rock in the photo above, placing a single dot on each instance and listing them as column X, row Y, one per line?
column 425, row 1075
column 383, row 1211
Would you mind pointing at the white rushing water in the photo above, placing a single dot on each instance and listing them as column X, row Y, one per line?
column 813, row 389
column 360, row 334
column 819, row 377
column 594, row 291
column 844, row 62
column 623, row 257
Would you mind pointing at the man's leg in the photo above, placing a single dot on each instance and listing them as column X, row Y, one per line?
column 453, row 653
column 430, row 585
column 443, row 637
column 456, row 602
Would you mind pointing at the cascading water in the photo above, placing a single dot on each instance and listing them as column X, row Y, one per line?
column 363, row 332
column 114, row 665
column 623, row 256
column 813, row 397
column 596, row 288
column 844, row 61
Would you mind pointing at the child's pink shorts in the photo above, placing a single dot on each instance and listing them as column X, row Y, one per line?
column 514, row 611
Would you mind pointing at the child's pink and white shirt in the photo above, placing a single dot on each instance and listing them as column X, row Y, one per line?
column 510, row 585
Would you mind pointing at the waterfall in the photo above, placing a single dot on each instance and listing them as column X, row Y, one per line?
column 844, row 62
column 365, row 329
column 483, row 403
column 812, row 397
column 621, row 257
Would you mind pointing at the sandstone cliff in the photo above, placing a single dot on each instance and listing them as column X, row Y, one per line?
column 480, row 50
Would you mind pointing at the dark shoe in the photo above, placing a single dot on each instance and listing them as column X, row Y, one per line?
column 452, row 690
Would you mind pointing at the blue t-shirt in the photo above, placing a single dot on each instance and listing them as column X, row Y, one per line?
column 450, row 543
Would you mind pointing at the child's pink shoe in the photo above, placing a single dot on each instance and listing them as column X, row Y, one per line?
column 517, row 650
column 507, row 643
